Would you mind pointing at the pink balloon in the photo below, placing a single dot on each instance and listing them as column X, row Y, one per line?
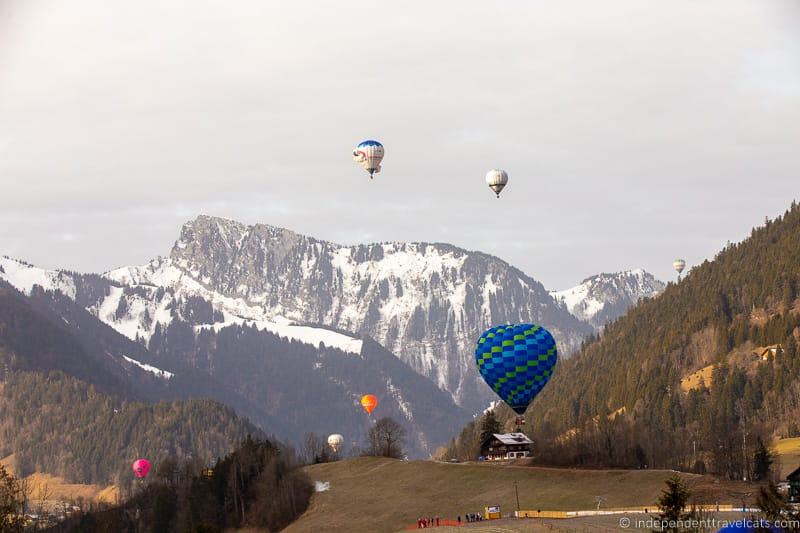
column 141, row 467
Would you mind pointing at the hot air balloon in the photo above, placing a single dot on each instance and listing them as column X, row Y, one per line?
column 496, row 179
column 141, row 467
column 679, row 265
column 369, row 402
column 369, row 155
column 335, row 441
column 516, row 360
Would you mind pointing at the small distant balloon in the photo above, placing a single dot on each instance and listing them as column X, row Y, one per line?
column 141, row 467
column 335, row 441
column 496, row 179
column 369, row 402
column 369, row 155
column 679, row 265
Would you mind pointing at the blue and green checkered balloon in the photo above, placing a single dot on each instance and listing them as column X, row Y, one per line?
column 516, row 360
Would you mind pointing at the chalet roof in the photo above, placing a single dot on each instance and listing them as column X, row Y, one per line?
column 513, row 438
column 771, row 349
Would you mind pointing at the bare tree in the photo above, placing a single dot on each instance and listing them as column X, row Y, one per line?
column 386, row 439
column 315, row 449
column 43, row 494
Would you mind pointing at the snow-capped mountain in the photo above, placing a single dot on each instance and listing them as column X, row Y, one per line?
column 288, row 378
column 602, row 298
column 426, row 303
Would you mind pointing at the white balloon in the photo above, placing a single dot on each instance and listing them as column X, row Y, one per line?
column 335, row 441
column 369, row 155
column 679, row 265
column 496, row 179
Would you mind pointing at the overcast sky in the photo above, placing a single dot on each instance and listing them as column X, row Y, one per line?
column 633, row 131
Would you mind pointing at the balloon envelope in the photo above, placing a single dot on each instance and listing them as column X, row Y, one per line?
column 496, row 179
column 369, row 402
column 516, row 360
column 141, row 467
column 369, row 155
column 679, row 265
column 335, row 441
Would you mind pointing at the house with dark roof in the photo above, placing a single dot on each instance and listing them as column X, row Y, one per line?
column 506, row 446
column 794, row 486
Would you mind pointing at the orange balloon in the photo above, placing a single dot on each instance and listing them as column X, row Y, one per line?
column 369, row 402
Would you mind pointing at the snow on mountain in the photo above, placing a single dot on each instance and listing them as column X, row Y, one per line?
column 149, row 368
column 155, row 290
column 24, row 276
column 426, row 303
column 170, row 335
column 602, row 298
column 137, row 302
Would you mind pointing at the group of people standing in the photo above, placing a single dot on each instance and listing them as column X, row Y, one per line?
column 423, row 523
column 427, row 522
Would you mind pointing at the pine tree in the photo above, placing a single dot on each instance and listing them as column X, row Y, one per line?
column 673, row 501
column 489, row 425
column 762, row 461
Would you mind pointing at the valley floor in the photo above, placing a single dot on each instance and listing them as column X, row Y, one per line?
column 373, row 494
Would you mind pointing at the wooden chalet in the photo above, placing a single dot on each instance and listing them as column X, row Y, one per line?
column 506, row 446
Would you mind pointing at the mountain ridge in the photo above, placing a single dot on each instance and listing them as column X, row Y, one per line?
column 604, row 297
column 425, row 302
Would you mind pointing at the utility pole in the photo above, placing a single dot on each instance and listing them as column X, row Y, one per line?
column 516, row 493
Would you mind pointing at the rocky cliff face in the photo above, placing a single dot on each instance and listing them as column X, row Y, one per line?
column 427, row 303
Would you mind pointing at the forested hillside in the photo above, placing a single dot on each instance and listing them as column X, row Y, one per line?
column 259, row 485
column 294, row 387
column 57, row 424
column 625, row 398
column 31, row 338
column 287, row 377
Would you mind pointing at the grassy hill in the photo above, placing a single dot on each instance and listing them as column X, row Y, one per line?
column 375, row 494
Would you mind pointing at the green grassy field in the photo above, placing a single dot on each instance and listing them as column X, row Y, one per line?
column 372, row 494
